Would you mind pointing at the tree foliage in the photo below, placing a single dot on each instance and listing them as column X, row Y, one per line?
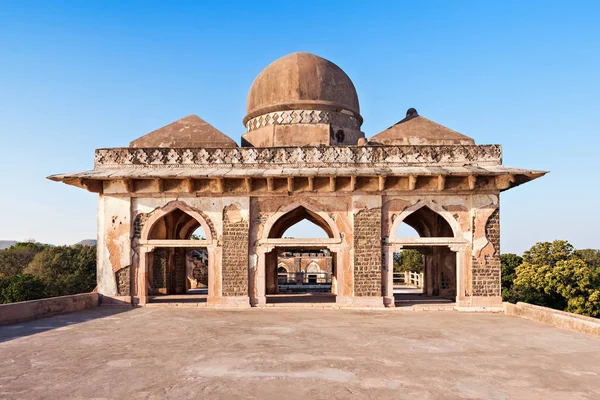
column 16, row 258
column 555, row 275
column 408, row 260
column 590, row 256
column 509, row 263
column 65, row 269
column 21, row 287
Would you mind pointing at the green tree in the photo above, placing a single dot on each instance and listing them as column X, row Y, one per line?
column 554, row 275
column 590, row 256
column 509, row 263
column 548, row 253
column 65, row 269
column 16, row 258
column 20, row 287
column 408, row 260
column 579, row 284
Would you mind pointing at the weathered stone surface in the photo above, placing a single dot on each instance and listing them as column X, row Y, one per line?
column 26, row 310
column 486, row 275
column 303, row 156
column 128, row 353
column 298, row 80
column 191, row 131
column 557, row 318
column 323, row 156
column 235, row 254
column 138, row 224
column 417, row 130
column 367, row 252
column 123, row 277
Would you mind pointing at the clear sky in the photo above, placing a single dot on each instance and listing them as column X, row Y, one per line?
column 79, row 75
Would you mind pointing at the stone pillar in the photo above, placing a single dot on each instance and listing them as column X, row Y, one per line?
column 461, row 272
column 367, row 251
column 260, row 280
column 388, row 277
column 114, row 243
column 272, row 286
column 485, row 259
column 235, row 251
column 142, row 280
column 214, row 275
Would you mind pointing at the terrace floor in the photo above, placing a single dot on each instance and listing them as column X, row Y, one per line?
column 155, row 353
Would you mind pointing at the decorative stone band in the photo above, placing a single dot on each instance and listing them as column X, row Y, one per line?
column 457, row 155
column 303, row 117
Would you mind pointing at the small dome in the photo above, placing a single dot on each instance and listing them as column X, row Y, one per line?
column 302, row 81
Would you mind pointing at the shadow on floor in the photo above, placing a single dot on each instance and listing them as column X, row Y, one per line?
column 39, row 325
column 409, row 300
column 182, row 298
column 199, row 295
column 300, row 298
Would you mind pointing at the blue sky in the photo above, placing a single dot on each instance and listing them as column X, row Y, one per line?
column 79, row 75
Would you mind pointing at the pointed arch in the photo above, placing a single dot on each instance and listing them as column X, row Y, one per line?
column 424, row 230
column 282, row 268
column 295, row 212
column 305, row 229
column 193, row 219
column 313, row 267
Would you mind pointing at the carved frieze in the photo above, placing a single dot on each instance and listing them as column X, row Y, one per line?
column 325, row 156
column 303, row 117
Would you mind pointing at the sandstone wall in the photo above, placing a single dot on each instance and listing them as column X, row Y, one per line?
column 338, row 209
column 26, row 310
column 367, row 246
column 235, row 249
column 114, row 243
column 486, row 264
column 474, row 220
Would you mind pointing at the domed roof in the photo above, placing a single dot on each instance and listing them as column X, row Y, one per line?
column 417, row 130
column 191, row 131
column 302, row 81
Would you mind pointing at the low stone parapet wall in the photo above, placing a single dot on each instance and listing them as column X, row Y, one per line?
column 26, row 310
column 559, row 319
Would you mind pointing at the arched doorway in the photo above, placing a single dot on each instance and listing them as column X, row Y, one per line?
column 305, row 241
column 421, row 267
column 177, row 246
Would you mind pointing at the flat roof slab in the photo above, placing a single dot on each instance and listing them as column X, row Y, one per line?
column 156, row 353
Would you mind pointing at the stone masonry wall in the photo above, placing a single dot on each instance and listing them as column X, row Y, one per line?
column 486, row 278
column 235, row 257
column 367, row 252
column 124, row 281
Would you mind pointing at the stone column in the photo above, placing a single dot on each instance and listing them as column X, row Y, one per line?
column 338, row 277
column 114, row 254
column 272, row 286
column 235, row 251
column 142, row 280
column 260, row 281
column 388, row 277
column 214, row 275
column 485, row 258
column 367, row 251
column 461, row 270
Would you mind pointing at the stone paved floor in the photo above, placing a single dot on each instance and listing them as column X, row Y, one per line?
column 153, row 353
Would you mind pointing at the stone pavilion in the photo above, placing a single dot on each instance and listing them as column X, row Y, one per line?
column 303, row 156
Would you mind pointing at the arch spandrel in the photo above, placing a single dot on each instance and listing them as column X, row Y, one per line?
column 434, row 207
column 293, row 213
column 197, row 219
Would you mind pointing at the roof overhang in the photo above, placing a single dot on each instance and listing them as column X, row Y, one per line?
column 285, row 170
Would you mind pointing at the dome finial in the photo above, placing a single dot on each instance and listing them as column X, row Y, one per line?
column 411, row 113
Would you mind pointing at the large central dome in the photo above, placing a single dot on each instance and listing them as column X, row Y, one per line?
column 302, row 89
column 301, row 81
